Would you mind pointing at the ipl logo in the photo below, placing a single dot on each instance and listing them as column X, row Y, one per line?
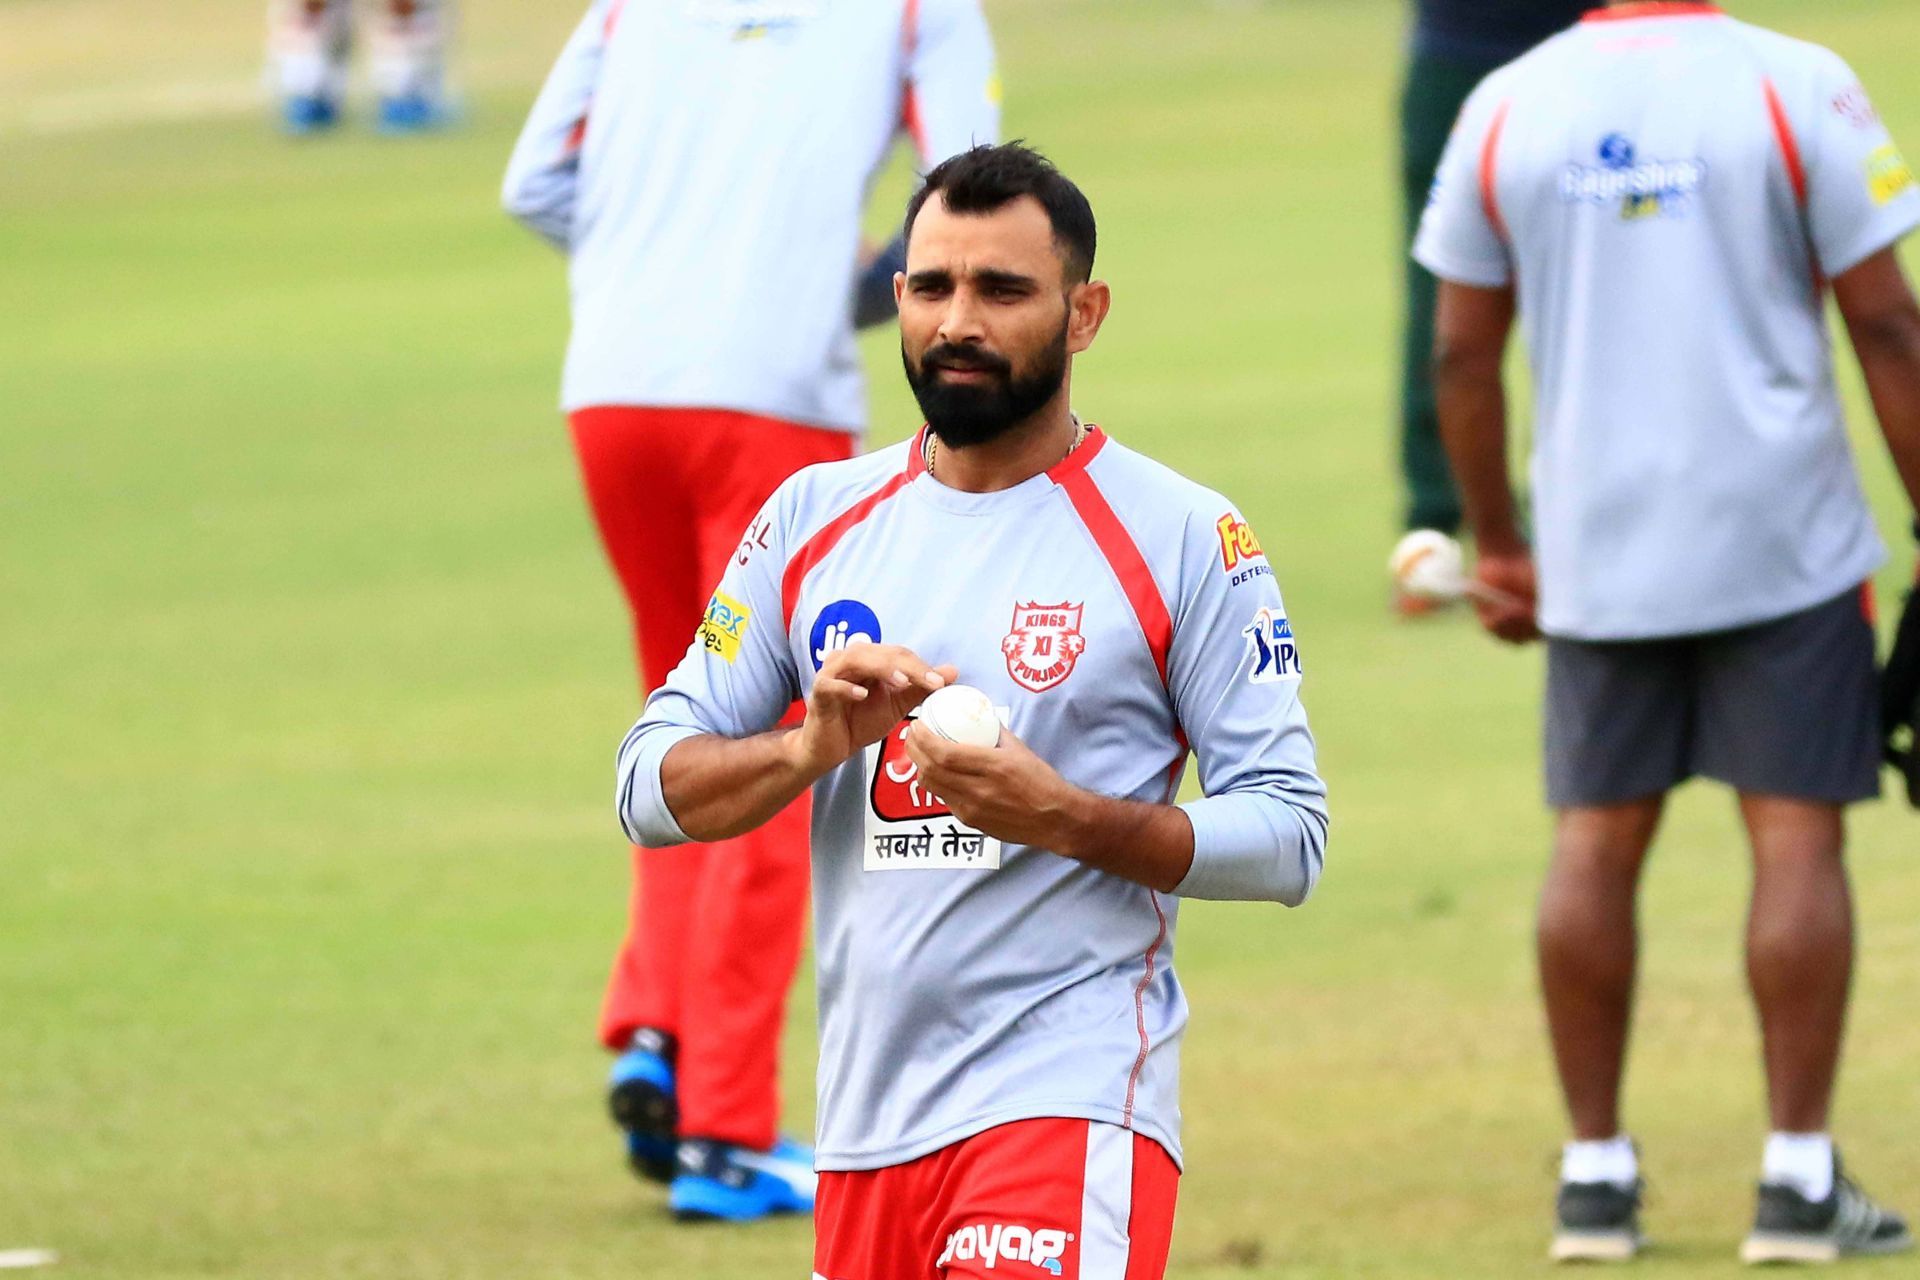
column 1270, row 643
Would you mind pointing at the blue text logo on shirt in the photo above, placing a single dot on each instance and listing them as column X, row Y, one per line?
column 1642, row 188
column 1270, row 644
column 840, row 624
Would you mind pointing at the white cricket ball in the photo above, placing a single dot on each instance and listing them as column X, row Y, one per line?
column 1429, row 565
column 961, row 713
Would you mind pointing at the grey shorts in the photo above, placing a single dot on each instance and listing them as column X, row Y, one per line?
column 1788, row 707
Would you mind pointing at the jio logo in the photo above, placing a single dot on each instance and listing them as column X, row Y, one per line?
column 840, row 624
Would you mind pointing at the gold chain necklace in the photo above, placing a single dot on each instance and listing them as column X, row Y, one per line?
column 932, row 449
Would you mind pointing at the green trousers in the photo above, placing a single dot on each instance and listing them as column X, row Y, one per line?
column 1434, row 92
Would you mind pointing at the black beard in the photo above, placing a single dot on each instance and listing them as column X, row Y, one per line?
column 963, row 415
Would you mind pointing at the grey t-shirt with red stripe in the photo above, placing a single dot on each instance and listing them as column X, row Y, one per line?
column 1665, row 187
column 1120, row 616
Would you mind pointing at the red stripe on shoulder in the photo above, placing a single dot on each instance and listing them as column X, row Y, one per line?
column 614, row 11
column 1490, row 172
column 822, row 543
column 1122, row 554
column 1789, row 145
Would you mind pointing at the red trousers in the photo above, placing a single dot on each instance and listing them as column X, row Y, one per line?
column 715, row 930
column 1070, row 1199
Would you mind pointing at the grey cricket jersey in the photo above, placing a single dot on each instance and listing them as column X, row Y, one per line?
column 1667, row 189
column 1120, row 616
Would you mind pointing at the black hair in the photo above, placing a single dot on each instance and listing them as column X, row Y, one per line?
column 987, row 178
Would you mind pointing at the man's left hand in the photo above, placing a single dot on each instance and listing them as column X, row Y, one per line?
column 1006, row 792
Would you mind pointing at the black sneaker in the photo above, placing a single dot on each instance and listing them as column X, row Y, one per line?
column 1597, row 1222
column 1788, row 1227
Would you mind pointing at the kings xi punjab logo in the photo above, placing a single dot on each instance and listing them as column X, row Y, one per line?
column 1043, row 645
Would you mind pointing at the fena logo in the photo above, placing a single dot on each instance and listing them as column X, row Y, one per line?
column 840, row 624
column 1237, row 542
column 995, row 1243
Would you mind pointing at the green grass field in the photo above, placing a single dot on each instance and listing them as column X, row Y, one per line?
column 310, row 675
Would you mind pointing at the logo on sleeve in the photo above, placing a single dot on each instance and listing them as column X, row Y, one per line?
column 840, row 624
column 1043, row 644
column 1270, row 645
column 1642, row 188
column 754, row 539
column 1237, row 542
column 724, row 626
column 1239, row 549
column 1888, row 174
column 1853, row 106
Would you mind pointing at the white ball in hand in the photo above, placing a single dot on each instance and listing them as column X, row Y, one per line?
column 1429, row 565
column 961, row 713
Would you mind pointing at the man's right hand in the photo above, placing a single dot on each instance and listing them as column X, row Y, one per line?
column 1509, row 605
column 859, row 695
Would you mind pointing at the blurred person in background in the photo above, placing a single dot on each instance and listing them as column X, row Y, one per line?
column 704, row 165
column 312, row 40
column 1665, row 195
column 1455, row 44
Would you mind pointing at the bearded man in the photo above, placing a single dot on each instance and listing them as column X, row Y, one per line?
column 999, row 1015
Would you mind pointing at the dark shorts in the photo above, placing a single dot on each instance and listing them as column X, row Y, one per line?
column 1788, row 707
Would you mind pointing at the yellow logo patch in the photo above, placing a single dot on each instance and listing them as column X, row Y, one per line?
column 1237, row 542
column 724, row 625
column 1888, row 174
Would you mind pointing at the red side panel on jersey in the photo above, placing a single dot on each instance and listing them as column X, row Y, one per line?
column 1789, row 145
column 614, row 11
column 1489, row 173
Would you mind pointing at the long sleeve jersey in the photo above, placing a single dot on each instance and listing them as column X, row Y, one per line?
column 1120, row 617
column 705, row 163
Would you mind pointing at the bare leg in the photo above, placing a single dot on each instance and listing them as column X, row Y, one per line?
column 1588, row 946
column 1799, row 952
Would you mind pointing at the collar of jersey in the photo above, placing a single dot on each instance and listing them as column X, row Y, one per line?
column 1654, row 9
column 1032, row 489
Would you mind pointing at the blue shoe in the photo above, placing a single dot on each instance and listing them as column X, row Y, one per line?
column 720, row 1182
column 640, row 1096
column 412, row 113
column 309, row 114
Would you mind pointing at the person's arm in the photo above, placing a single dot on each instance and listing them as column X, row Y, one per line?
column 1883, row 322
column 1469, row 345
column 1464, row 242
column 1859, row 200
column 1013, row 795
column 542, row 176
column 952, row 92
column 705, row 762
